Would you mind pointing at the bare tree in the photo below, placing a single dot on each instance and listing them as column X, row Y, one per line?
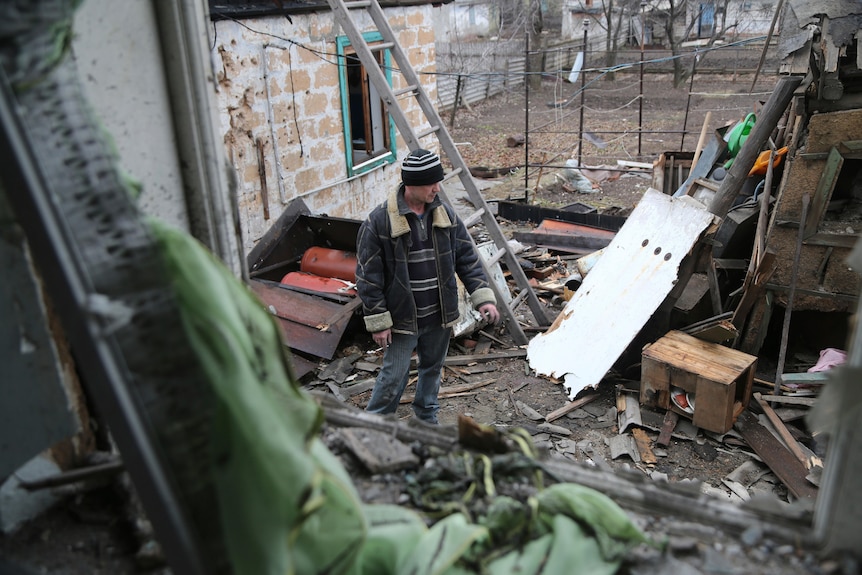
column 612, row 17
column 534, row 37
column 680, row 17
column 618, row 18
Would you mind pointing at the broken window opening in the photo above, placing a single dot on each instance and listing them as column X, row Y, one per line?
column 369, row 131
column 844, row 210
column 837, row 201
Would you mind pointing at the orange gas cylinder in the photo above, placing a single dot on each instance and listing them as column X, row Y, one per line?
column 329, row 263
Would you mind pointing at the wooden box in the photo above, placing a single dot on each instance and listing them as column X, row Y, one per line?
column 717, row 378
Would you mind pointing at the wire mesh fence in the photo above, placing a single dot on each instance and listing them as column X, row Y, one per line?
column 479, row 70
column 594, row 113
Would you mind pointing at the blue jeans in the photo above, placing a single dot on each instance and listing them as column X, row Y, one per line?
column 431, row 344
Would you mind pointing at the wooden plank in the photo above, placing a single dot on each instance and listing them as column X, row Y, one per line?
column 719, row 332
column 708, row 184
column 621, row 292
column 667, row 427
column 823, row 192
column 756, row 289
column 782, row 431
column 809, row 401
column 642, row 442
column 806, row 377
column 783, row 463
column 453, row 390
column 571, row 406
column 468, row 359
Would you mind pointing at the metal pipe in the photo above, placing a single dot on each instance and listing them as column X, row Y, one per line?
column 688, row 102
column 583, row 92
column 794, row 276
column 641, row 98
column 527, row 113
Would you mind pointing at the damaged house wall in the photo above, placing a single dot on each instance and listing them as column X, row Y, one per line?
column 283, row 113
column 832, row 223
column 824, row 124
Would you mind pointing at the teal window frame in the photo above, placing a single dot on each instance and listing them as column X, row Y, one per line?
column 386, row 154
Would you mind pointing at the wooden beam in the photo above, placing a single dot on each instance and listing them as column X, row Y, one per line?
column 571, row 406
column 454, row 390
column 783, row 463
column 782, row 431
column 767, row 119
column 756, row 288
column 808, row 401
column 467, row 359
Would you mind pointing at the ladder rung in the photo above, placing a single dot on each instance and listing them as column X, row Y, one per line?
column 428, row 131
column 496, row 257
column 381, row 47
column 518, row 299
column 412, row 89
column 436, row 127
column 474, row 218
column 452, row 174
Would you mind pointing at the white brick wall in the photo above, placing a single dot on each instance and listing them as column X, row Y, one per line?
column 302, row 112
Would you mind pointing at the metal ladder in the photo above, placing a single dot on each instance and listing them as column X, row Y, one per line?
column 391, row 100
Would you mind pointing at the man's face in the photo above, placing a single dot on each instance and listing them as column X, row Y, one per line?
column 425, row 194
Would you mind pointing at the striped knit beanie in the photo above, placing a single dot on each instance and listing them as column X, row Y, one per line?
column 421, row 168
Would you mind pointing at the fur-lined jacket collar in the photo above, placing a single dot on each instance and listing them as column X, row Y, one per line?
column 396, row 208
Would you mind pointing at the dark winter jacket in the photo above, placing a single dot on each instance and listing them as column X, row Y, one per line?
column 382, row 280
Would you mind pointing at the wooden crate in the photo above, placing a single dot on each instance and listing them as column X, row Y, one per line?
column 720, row 378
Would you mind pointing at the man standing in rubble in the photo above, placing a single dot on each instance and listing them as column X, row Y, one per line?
column 409, row 250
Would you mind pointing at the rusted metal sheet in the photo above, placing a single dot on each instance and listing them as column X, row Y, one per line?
column 623, row 290
column 786, row 467
column 309, row 323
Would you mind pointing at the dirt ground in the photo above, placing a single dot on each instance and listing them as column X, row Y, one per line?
column 481, row 132
column 611, row 110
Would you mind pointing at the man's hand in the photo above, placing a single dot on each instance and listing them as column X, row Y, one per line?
column 489, row 313
column 382, row 338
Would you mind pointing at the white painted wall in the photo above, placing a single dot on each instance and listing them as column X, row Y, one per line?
column 465, row 20
column 117, row 49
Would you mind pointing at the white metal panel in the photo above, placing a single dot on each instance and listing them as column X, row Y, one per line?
column 623, row 290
